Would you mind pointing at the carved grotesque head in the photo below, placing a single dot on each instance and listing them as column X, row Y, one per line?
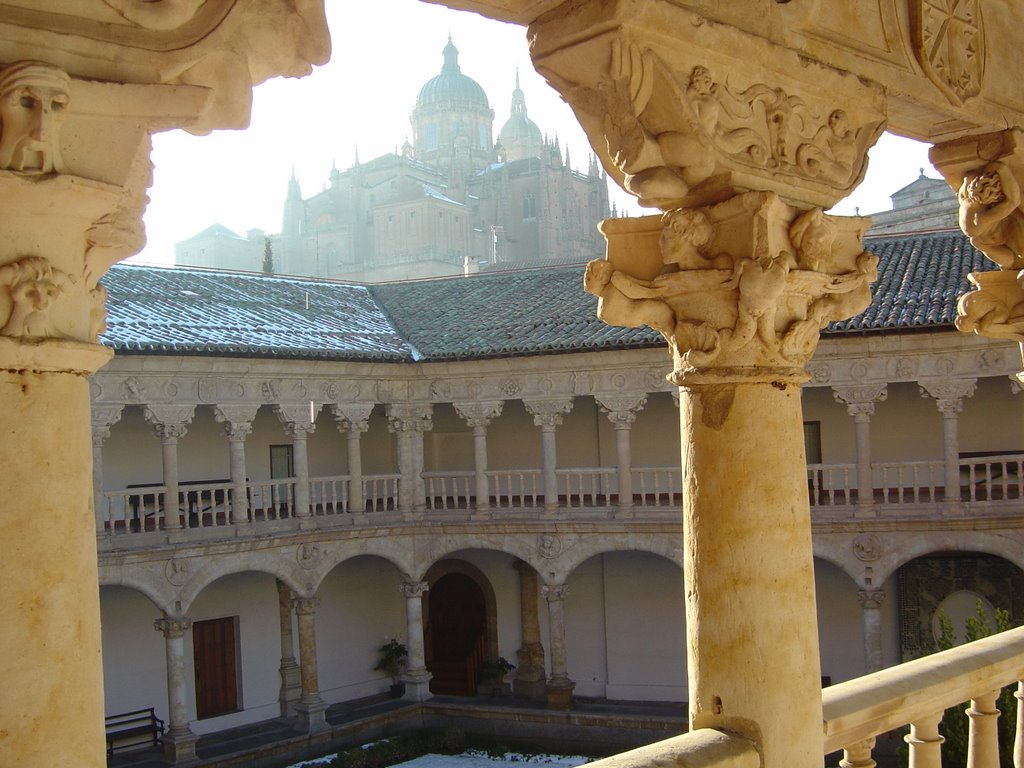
column 685, row 235
column 838, row 122
column 985, row 188
column 700, row 81
column 33, row 106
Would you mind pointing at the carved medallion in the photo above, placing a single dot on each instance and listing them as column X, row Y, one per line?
column 177, row 571
column 867, row 547
column 308, row 555
column 949, row 42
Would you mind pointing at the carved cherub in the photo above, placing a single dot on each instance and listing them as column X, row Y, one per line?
column 982, row 313
column 991, row 216
column 685, row 237
column 33, row 105
column 624, row 300
column 832, row 152
column 761, row 283
column 812, row 235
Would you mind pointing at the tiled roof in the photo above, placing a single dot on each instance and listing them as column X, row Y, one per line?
column 158, row 310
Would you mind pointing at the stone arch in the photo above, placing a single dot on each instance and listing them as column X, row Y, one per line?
column 328, row 555
column 162, row 595
column 526, row 547
column 213, row 569
column 666, row 547
column 911, row 546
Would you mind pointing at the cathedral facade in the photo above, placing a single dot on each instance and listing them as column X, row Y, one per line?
column 456, row 200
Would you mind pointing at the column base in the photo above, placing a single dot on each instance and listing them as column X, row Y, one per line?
column 481, row 514
column 417, row 686
column 291, row 688
column 306, row 522
column 863, row 511
column 624, row 513
column 559, row 694
column 534, row 690
column 311, row 716
column 180, row 748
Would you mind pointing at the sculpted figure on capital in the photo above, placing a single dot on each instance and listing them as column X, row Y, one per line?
column 34, row 98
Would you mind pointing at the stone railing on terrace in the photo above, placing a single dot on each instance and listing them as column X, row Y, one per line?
column 988, row 485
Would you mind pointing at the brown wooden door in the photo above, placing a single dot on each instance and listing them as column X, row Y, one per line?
column 458, row 619
column 215, row 651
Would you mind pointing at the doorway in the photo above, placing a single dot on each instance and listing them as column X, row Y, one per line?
column 457, row 641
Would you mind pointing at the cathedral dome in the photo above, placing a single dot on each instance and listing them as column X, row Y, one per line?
column 451, row 88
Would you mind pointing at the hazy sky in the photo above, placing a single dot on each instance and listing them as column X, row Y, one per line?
column 384, row 51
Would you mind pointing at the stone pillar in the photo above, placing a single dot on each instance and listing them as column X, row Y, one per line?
column 311, row 709
column 530, row 676
column 82, row 95
column 622, row 411
column 871, row 603
column 409, row 421
column 103, row 418
column 416, row 677
column 299, row 421
column 353, row 420
column 170, row 424
column 179, row 740
column 547, row 414
column 237, row 421
column 478, row 414
column 949, row 395
column 860, row 403
column 291, row 682
column 559, row 687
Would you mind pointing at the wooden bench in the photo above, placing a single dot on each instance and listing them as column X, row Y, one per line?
column 133, row 729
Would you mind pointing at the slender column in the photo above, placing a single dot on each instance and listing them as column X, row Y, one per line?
column 291, row 683
column 949, row 395
column 859, row 755
column 983, row 738
column 547, row 414
column 409, row 421
column 170, row 424
column 103, row 418
column 559, row 687
column 299, row 422
column 478, row 416
column 353, row 420
column 622, row 411
column 860, row 403
column 1018, row 741
column 925, row 742
column 311, row 708
column 416, row 677
column 179, row 741
column 871, row 604
column 530, row 677
column 237, row 421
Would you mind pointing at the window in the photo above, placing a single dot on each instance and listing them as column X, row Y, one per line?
column 431, row 137
column 812, row 441
column 529, row 207
column 217, row 662
column 281, row 464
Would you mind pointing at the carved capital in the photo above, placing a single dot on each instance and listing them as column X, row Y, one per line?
column 299, row 419
column 554, row 592
column 169, row 422
column 237, row 419
column 741, row 288
column 305, row 606
column 352, row 417
column 948, row 393
column 103, row 418
column 860, row 400
column 413, row 589
column 479, row 413
column 871, row 599
column 622, row 409
column 173, row 627
column 547, row 413
column 410, row 417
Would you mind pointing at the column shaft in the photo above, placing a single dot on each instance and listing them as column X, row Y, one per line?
column 624, row 458
column 239, row 489
column 550, row 458
column 300, row 459
column 416, row 677
column 530, row 676
column 483, row 493
column 179, row 741
column 169, row 454
column 291, row 686
column 356, row 498
column 311, row 708
column 871, row 603
column 951, row 452
column 865, row 483
column 559, row 686
column 99, row 501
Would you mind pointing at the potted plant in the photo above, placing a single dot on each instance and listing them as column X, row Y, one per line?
column 391, row 661
column 492, row 676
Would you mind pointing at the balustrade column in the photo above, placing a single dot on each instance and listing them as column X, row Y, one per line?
column 949, row 395
column 310, row 708
column 871, row 605
column 547, row 414
column 925, row 742
column 299, row 423
column 237, row 421
column 478, row 416
column 983, row 736
column 559, row 687
column 170, row 424
column 530, row 677
column 416, row 677
column 353, row 419
column 291, row 682
column 179, row 740
column 860, row 403
column 859, row 755
column 103, row 418
column 409, row 422
column 622, row 411
column 1018, row 741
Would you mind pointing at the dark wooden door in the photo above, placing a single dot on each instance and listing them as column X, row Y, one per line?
column 215, row 652
column 458, row 620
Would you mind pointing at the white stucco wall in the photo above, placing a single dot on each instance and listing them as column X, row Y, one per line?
column 134, row 667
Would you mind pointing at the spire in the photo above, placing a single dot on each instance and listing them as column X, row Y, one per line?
column 294, row 193
column 567, row 165
column 518, row 99
column 451, row 58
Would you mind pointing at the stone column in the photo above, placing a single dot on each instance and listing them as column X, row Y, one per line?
column 860, row 403
column 547, row 414
column 311, row 709
column 170, row 424
column 559, row 686
column 409, row 421
column 103, row 418
column 949, row 395
column 237, row 421
column 478, row 415
column 299, row 421
column 416, row 677
column 291, row 682
column 530, row 676
column 622, row 411
column 871, row 603
column 179, row 740
column 353, row 420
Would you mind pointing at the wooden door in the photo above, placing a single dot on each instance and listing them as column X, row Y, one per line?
column 215, row 652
